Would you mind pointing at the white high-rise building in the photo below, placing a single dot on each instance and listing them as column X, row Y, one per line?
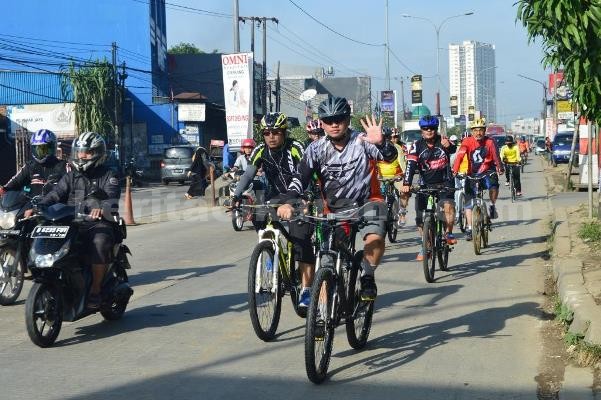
column 472, row 77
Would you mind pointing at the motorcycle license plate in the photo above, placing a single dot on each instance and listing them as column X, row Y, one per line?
column 50, row 232
column 178, row 171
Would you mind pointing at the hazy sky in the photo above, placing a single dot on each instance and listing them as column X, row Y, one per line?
column 412, row 40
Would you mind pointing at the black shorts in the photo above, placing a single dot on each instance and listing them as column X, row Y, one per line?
column 421, row 203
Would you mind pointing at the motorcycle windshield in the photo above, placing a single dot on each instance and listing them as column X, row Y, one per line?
column 13, row 199
column 57, row 212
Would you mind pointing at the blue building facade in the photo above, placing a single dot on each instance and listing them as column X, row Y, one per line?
column 46, row 36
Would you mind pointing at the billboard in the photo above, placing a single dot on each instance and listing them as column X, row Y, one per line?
column 238, row 95
column 59, row 118
column 388, row 104
column 416, row 90
column 454, row 108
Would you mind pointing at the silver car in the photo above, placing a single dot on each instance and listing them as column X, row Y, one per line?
column 176, row 164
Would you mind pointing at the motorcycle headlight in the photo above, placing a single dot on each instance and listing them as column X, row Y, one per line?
column 7, row 219
column 48, row 260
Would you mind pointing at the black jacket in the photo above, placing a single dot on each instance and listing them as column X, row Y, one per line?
column 73, row 188
column 37, row 175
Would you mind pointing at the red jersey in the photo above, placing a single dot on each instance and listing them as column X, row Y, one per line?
column 482, row 155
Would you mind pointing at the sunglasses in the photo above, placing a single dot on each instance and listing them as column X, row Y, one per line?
column 272, row 133
column 333, row 120
column 429, row 128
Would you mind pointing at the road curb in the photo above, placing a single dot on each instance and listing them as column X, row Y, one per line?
column 572, row 291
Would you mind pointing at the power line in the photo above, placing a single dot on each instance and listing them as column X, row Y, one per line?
column 401, row 61
column 332, row 30
column 193, row 10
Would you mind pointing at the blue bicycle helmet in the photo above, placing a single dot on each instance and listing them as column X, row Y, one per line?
column 428, row 121
column 43, row 145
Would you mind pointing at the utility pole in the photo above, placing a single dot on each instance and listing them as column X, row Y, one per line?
column 403, row 97
column 387, row 50
column 236, row 20
column 261, row 20
column 122, row 78
column 277, row 90
column 117, row 136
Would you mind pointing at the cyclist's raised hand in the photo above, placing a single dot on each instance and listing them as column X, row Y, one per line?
column 405, row 189
column 373, row 129
column 285, row 211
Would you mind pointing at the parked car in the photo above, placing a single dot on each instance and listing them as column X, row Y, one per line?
column 176, row 164
column 562, row 145
column 539, row 146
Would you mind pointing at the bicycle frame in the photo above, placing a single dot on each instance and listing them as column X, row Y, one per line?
column 271, row 233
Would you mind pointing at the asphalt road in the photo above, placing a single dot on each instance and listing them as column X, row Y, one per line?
column 472, row 334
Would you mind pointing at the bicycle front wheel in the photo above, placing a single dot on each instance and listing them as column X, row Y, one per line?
column 392, row 222
column 461, row 219
column 319, row 331
column 477, row 229
column 359, row 313
column 443, row 257
column 264, row 295
column 428, row 245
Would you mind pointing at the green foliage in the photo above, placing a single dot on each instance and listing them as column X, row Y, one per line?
column 298, row 133
column 590, row 231
column 356, row 121
column 185, row 48
column 572, row 339
column 563, row 314
column 456, row 130
column 93, row 91
column 570, row 31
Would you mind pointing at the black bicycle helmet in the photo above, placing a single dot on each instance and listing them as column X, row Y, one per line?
column 334, row 107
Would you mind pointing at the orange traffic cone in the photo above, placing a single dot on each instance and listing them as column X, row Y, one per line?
column 128, row 213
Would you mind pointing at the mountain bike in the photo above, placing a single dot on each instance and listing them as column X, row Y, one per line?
column 335, row 293
column 272, row 273
column 434, row 243
column 510, row 167
column 460, row 218
column 391, row 195
column 481, row 225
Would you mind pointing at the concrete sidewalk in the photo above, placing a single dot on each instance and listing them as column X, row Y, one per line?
column 579, row 287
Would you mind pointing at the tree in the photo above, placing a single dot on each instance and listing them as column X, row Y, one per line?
column 456, row 130
column 93, row 91
column 184, row 48
column 570, row 32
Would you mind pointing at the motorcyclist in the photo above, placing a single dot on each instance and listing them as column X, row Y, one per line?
column 90, row 174
column 44, row 165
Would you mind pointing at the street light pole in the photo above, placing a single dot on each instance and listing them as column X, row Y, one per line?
column 437, row 29
column 544, row 113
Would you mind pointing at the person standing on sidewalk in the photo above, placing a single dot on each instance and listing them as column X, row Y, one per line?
column 198, row 174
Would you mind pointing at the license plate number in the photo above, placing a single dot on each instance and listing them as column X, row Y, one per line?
column 50, row 232
column 178, row 171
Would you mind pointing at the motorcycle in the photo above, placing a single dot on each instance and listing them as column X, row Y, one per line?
column 62, row 281
column 130, row 169
column 15, row 242
column 14, row 245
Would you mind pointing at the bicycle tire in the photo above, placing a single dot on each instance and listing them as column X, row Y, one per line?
column 428, row 248
column 264, row 323
column 462, row 219
column 237, row 220
column 512, row 185
column 485, row 228
column 476, row 230
column 295, row 285
column 317, row 368
column 392, row 228
column 443, row 258
column 357, row 333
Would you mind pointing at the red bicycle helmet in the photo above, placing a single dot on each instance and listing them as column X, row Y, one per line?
column 248, row 143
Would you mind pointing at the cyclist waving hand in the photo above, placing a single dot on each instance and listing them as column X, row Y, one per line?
column 344, row 162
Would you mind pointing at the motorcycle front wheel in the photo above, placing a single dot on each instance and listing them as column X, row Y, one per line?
column 11, row 276
column 44, row 314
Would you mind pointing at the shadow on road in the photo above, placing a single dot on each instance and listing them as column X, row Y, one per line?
column 174, row 274
column 409, row 344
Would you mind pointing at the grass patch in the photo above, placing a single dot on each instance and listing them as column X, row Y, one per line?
column 590, row 232
column 584, row 353
column 562, row 313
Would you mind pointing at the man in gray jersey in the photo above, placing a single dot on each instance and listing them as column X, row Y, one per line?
column 344, row 163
